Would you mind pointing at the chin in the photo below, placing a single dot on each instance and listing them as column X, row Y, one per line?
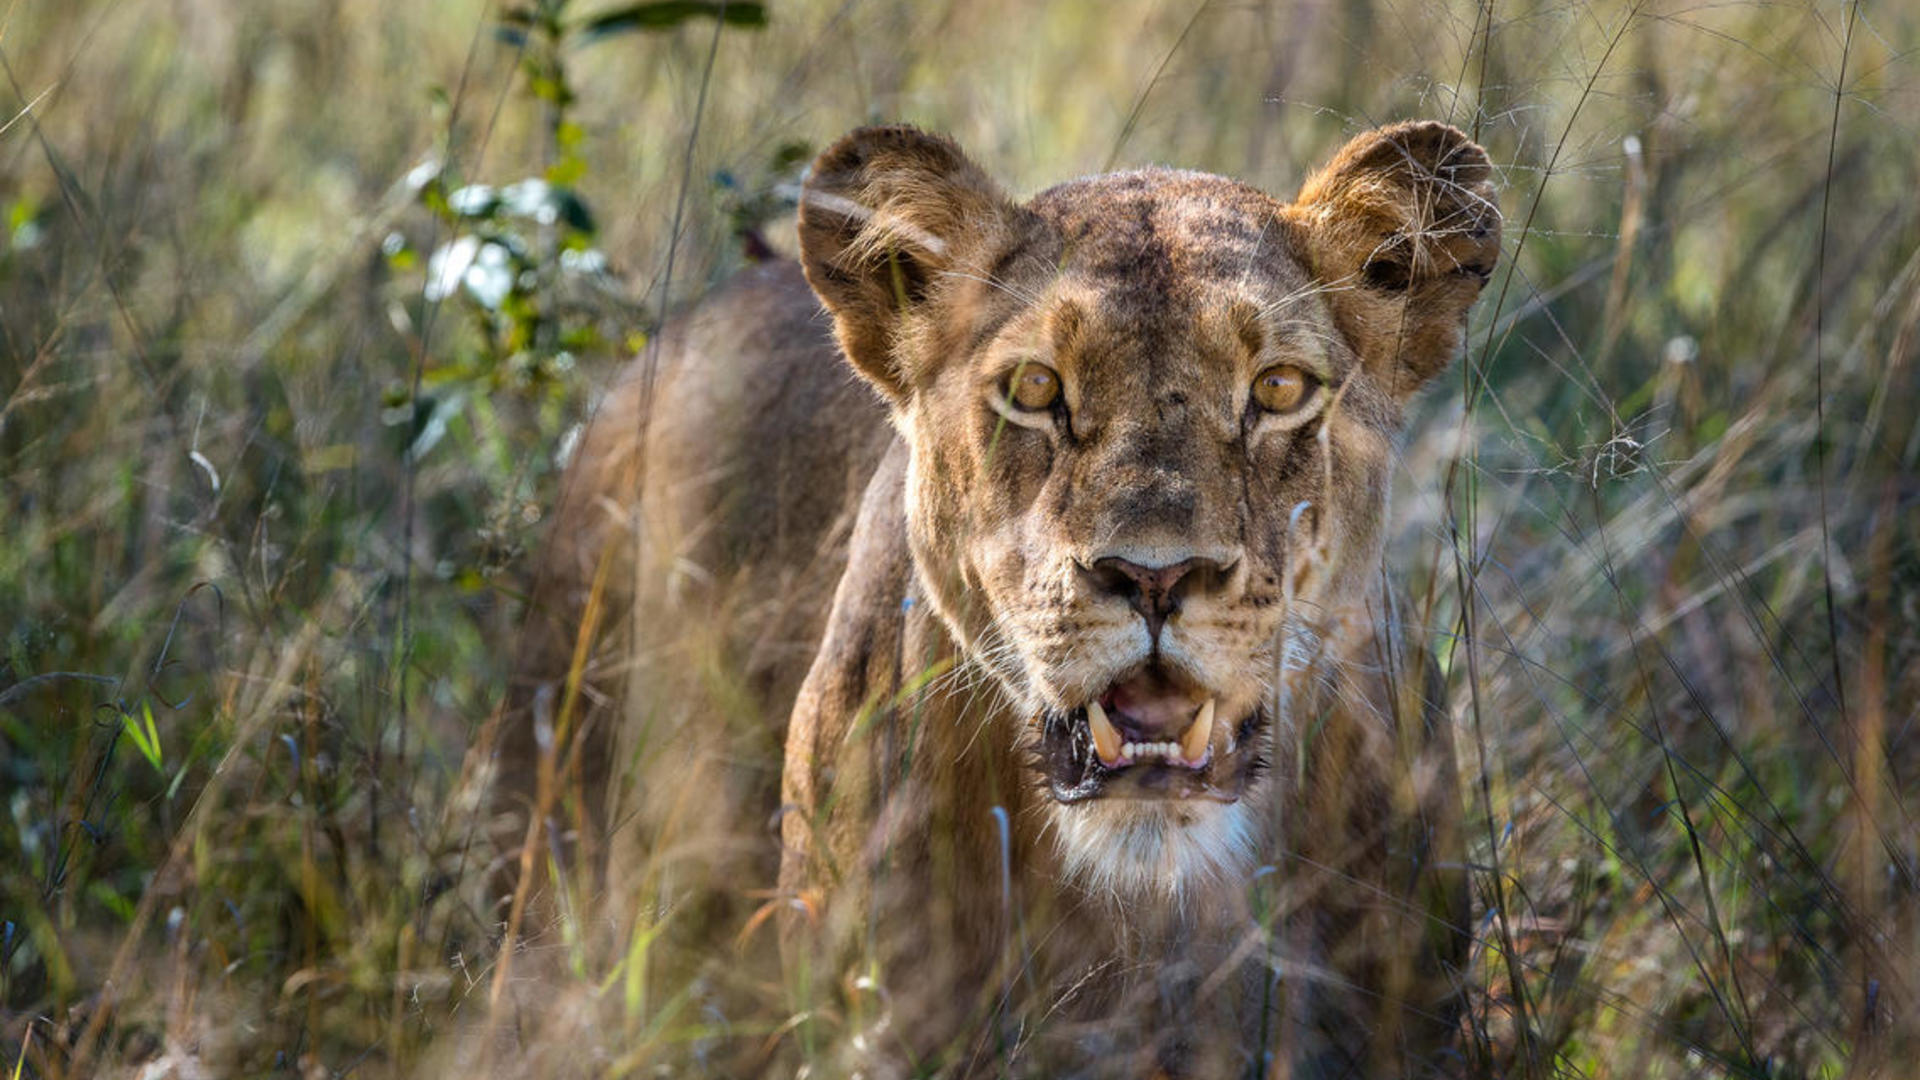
column 1136, row 851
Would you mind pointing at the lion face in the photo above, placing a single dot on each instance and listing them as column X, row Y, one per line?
column 1151, row 417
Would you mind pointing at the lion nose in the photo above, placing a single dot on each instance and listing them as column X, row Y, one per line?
column 1157, row 592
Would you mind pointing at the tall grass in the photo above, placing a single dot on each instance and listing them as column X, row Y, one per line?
column 268, row 493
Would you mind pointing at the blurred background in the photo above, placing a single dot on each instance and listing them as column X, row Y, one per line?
column 302, row 303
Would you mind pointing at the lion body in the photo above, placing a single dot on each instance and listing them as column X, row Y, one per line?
column 926, row 612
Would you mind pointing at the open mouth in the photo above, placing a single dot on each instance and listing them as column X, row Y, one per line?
column 1146, row 737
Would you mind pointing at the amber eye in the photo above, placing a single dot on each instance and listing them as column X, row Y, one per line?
column 1283, row 388
column 1033, row 387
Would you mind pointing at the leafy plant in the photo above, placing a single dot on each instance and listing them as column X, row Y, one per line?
column 521, row 259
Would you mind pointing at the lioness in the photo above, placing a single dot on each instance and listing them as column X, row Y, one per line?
column 1109, row 754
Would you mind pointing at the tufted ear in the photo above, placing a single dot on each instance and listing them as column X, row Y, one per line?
column 1402, row 229
column 883, row 213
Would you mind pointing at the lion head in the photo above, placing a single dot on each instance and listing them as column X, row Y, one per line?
column 1151, row 418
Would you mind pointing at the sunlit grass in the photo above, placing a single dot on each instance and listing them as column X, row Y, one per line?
column 267, row 511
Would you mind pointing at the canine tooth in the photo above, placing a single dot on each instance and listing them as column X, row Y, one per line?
column 1106, row 740
column 1193, row 745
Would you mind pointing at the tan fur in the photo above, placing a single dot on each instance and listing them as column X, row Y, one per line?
column 961, row 914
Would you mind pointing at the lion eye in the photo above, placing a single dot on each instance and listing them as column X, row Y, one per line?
column 1033, row 387
column 1283, row 388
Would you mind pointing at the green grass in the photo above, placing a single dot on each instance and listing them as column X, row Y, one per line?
column 266, row 504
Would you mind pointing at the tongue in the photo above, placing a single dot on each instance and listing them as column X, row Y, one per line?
column 1151, row 707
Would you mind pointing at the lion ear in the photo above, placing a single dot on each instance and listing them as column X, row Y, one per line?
column 1402, row 230
column 884, row 212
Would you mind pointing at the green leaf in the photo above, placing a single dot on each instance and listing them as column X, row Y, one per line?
column 568, row 170
column 658, row 15
column 573, row 211
column 111, row 900
column 146, row 737
column 21, row 215
column 791, row 155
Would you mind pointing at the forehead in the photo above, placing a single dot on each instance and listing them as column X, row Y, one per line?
column 1161, row 245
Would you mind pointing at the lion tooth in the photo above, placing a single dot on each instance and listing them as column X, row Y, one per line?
column 1106, row 740
column 1193, row 745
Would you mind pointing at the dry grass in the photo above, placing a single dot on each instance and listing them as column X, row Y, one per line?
column 259, row 485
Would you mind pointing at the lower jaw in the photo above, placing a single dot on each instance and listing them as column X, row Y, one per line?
column 1159, row 783
column 1135, row 851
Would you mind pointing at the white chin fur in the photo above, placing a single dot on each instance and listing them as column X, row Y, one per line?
column 1138, row 849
